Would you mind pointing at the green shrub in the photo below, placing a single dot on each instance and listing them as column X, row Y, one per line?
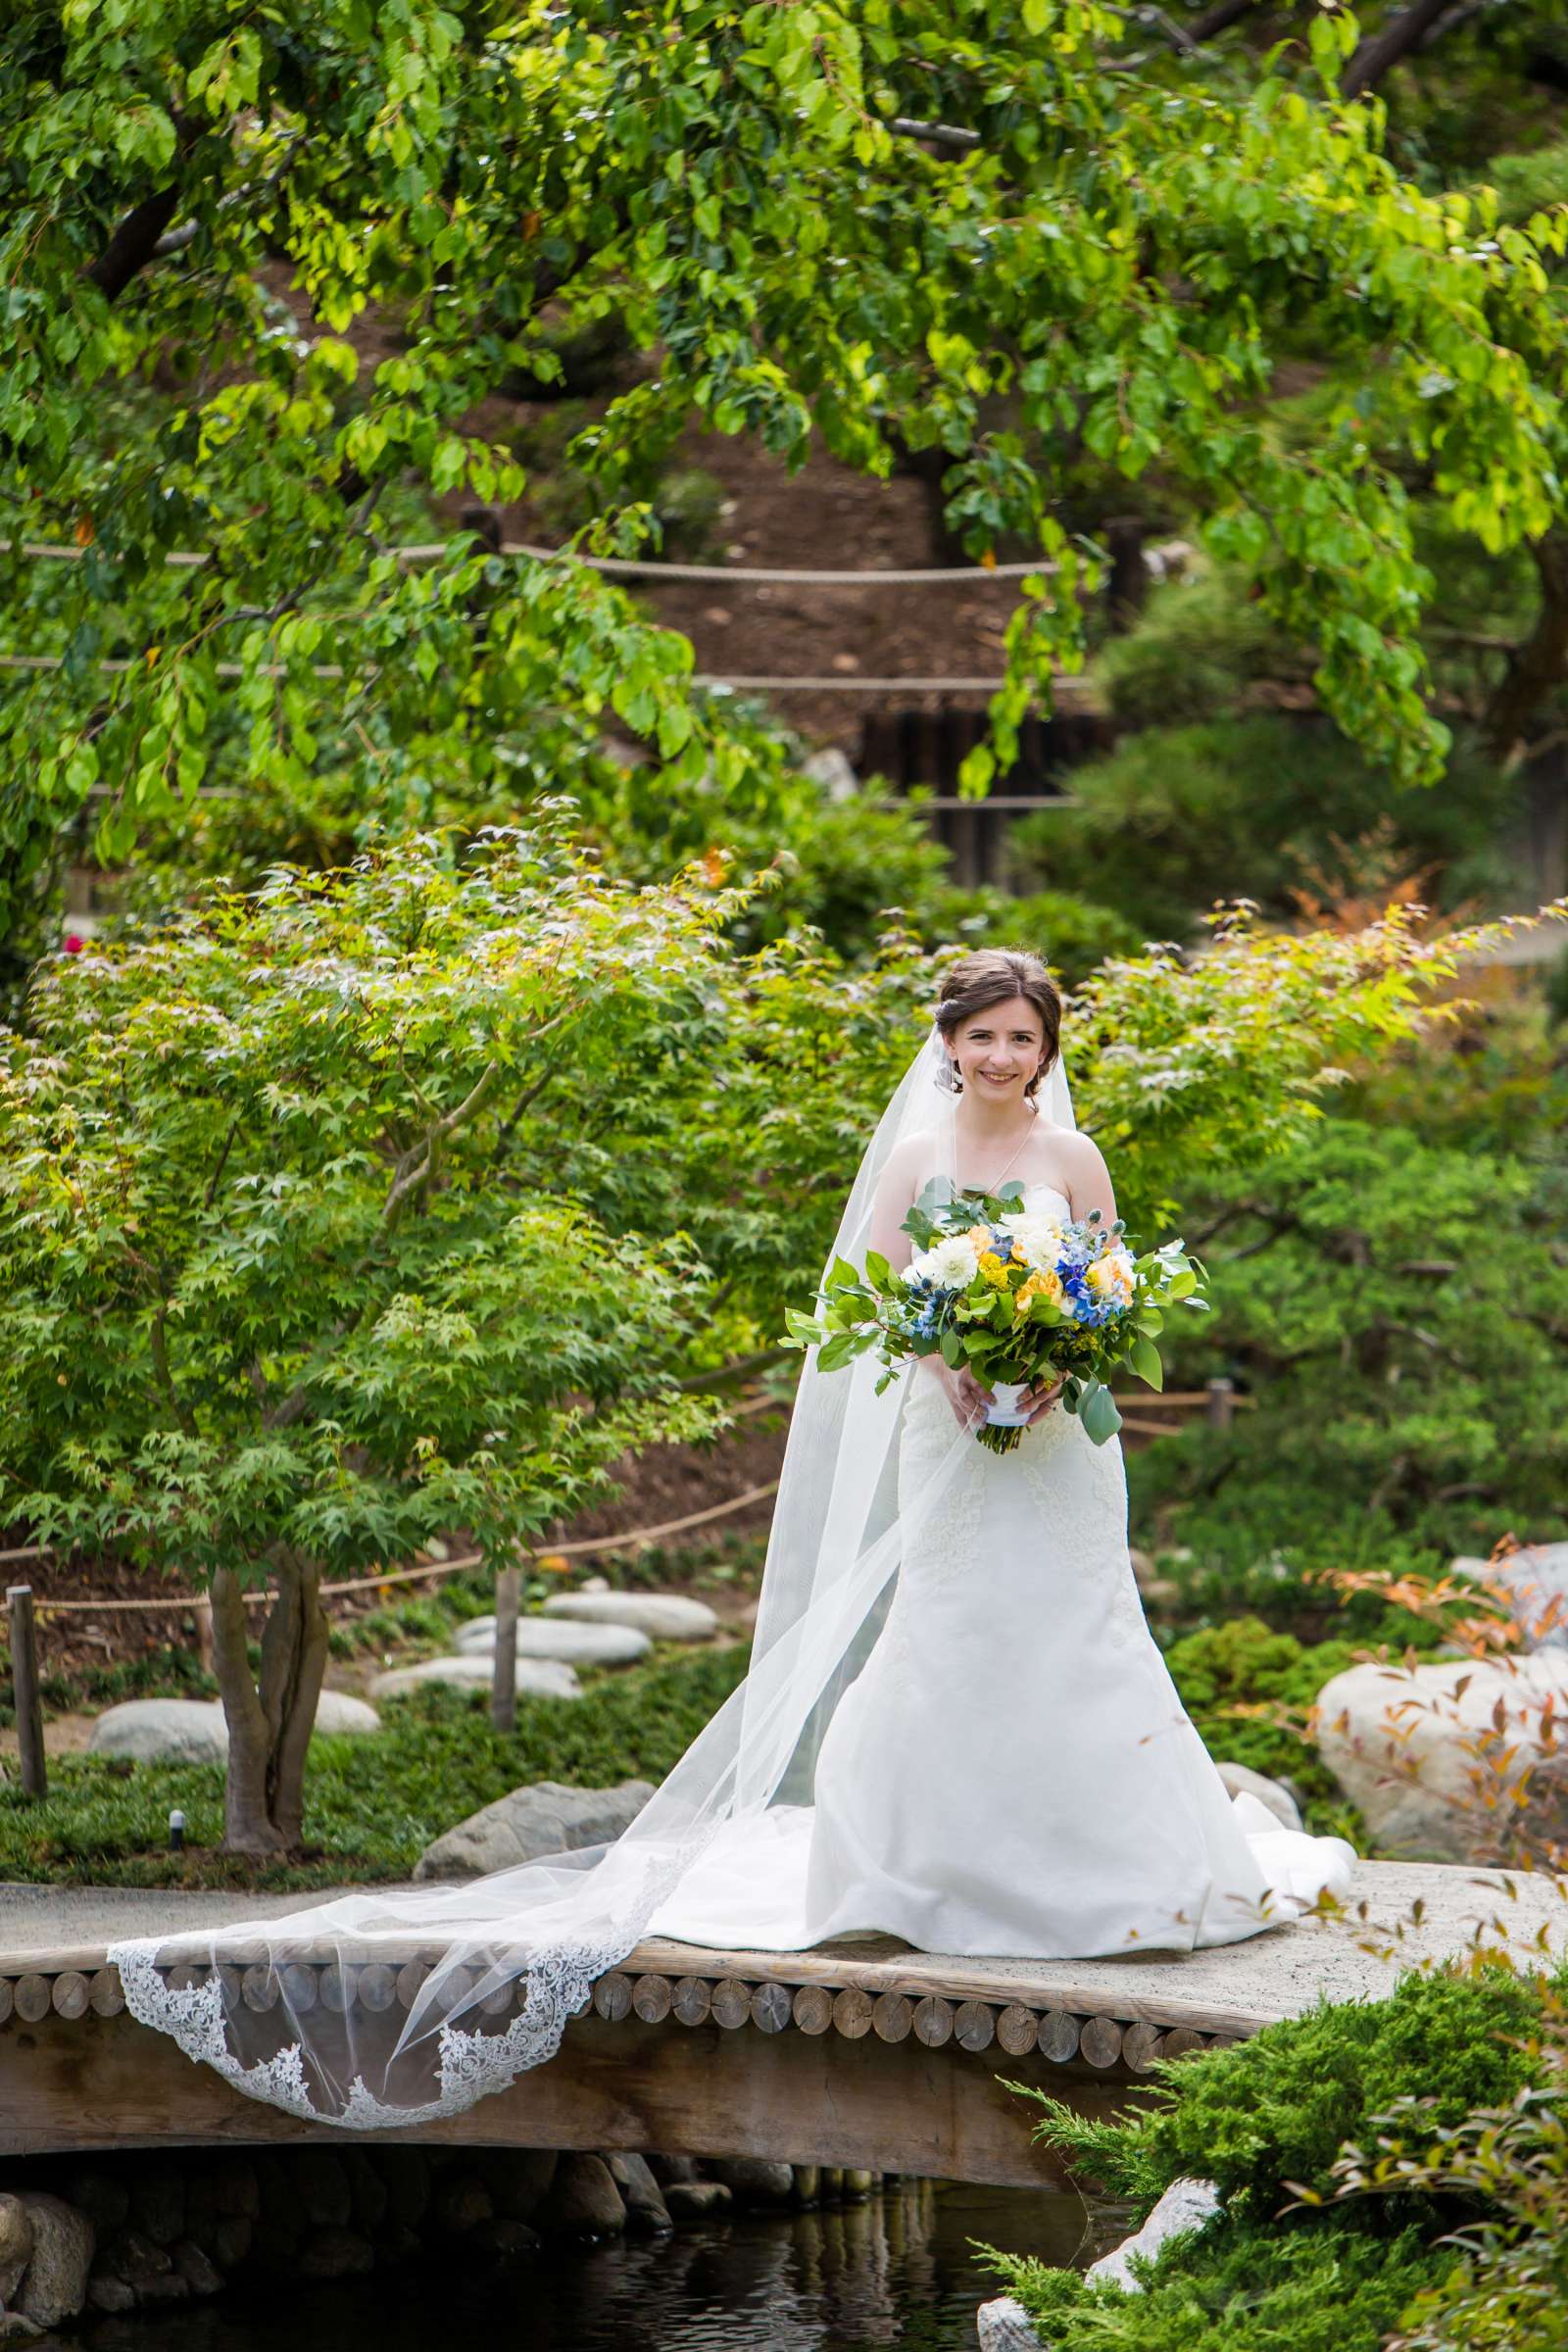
column 1241, row 2291
column 1268, row 2273
column 1258, row 804
column 1393, row 1306
column 1274, row 2110
column 1072, row 934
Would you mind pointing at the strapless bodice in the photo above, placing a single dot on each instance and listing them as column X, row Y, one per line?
column 1036, row 1195
column 1048, row 1192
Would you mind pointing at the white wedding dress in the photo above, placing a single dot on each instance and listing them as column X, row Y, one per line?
column 1013, row 1773
column 955, row 1730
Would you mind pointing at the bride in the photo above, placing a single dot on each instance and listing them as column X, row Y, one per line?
column 957, row 1729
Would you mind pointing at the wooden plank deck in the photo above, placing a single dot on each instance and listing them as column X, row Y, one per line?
column 861, row 2052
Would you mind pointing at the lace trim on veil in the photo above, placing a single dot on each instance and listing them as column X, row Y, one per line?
column 471, row 2065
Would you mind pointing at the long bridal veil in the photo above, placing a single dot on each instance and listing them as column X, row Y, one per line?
column 388, row 2009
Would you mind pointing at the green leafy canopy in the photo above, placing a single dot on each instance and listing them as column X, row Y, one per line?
column 203, row 207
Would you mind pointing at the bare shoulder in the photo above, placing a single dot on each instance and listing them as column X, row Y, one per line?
column 1078, row 1153
column 911, row 1160
column 1083, row 1171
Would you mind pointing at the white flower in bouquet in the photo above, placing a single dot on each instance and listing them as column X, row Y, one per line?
column 1037, row 1233
column 951, row 1263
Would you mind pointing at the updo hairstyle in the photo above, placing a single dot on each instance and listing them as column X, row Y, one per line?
column 990, row 976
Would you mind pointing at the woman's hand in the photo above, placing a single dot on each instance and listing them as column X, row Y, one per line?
column 1038, row 1401
column 964, row 1394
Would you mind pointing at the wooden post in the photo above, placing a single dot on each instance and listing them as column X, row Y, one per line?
column 1220, row 1406
column 24, row 1683
column 504, row 1687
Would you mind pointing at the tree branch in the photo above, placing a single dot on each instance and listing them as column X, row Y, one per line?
column 416, row 1167
column 941, row 134
column 1383, row 49
column 159, row 1342
column 133, row 243
column 1218, row 19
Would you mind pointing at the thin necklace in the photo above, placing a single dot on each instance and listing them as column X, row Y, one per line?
column 1002, row 1173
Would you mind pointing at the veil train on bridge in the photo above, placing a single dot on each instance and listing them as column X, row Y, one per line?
column 392, row 2009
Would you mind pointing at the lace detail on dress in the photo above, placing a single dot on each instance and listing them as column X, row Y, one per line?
column 1081, row 1490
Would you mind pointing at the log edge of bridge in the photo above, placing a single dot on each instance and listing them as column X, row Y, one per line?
column 850, row 1995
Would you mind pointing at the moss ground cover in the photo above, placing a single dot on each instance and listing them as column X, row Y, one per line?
column 375, row 1803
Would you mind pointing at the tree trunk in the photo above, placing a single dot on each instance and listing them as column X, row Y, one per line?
column 1540, row 665
column 269, row 1720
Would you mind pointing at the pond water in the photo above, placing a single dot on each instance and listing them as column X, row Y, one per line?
column 898, row 2270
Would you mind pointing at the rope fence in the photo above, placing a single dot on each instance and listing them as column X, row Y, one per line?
column 636, row 1539
column 623, row 567
column 1064, row 689
column 1219, row 1400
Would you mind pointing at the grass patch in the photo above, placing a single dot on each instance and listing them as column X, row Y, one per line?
column 371, row 1804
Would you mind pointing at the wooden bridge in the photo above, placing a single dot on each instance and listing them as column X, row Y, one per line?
column 856, row 2053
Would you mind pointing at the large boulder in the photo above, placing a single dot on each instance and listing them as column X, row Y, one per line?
column 1450, row 1760
column 640, row 2193
column 661, row 1616
column 583, row 2200
column 54, row 2285
column 15, row 2245
column 548, row 1638
column 754, row 2179
column 162, row 1731
column 1241, row 1780
column 1536, row 1581
column 535, row 1678
column 547, row 1818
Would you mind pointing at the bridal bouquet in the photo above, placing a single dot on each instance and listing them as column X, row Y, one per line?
column 1022, row 1296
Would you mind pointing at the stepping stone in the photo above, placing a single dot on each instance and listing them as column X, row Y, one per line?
column 661, row 1616
column 162, row 1731
column 549, row 1638
column 338, row 1716
column 192, row 1731
column 536, row 1677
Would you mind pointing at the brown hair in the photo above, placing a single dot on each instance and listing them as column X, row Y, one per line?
column 990, row 976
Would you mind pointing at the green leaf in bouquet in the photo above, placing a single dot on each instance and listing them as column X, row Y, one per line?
column 1144, row 1356
column 804, row 1330
column 920, row 1229
column 841, row 1276
column 953, row 1349
column 1098, row 1412
column 839, row 1351
column 1150, row 1319
column 878, row 1273
column 1182, row 1286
